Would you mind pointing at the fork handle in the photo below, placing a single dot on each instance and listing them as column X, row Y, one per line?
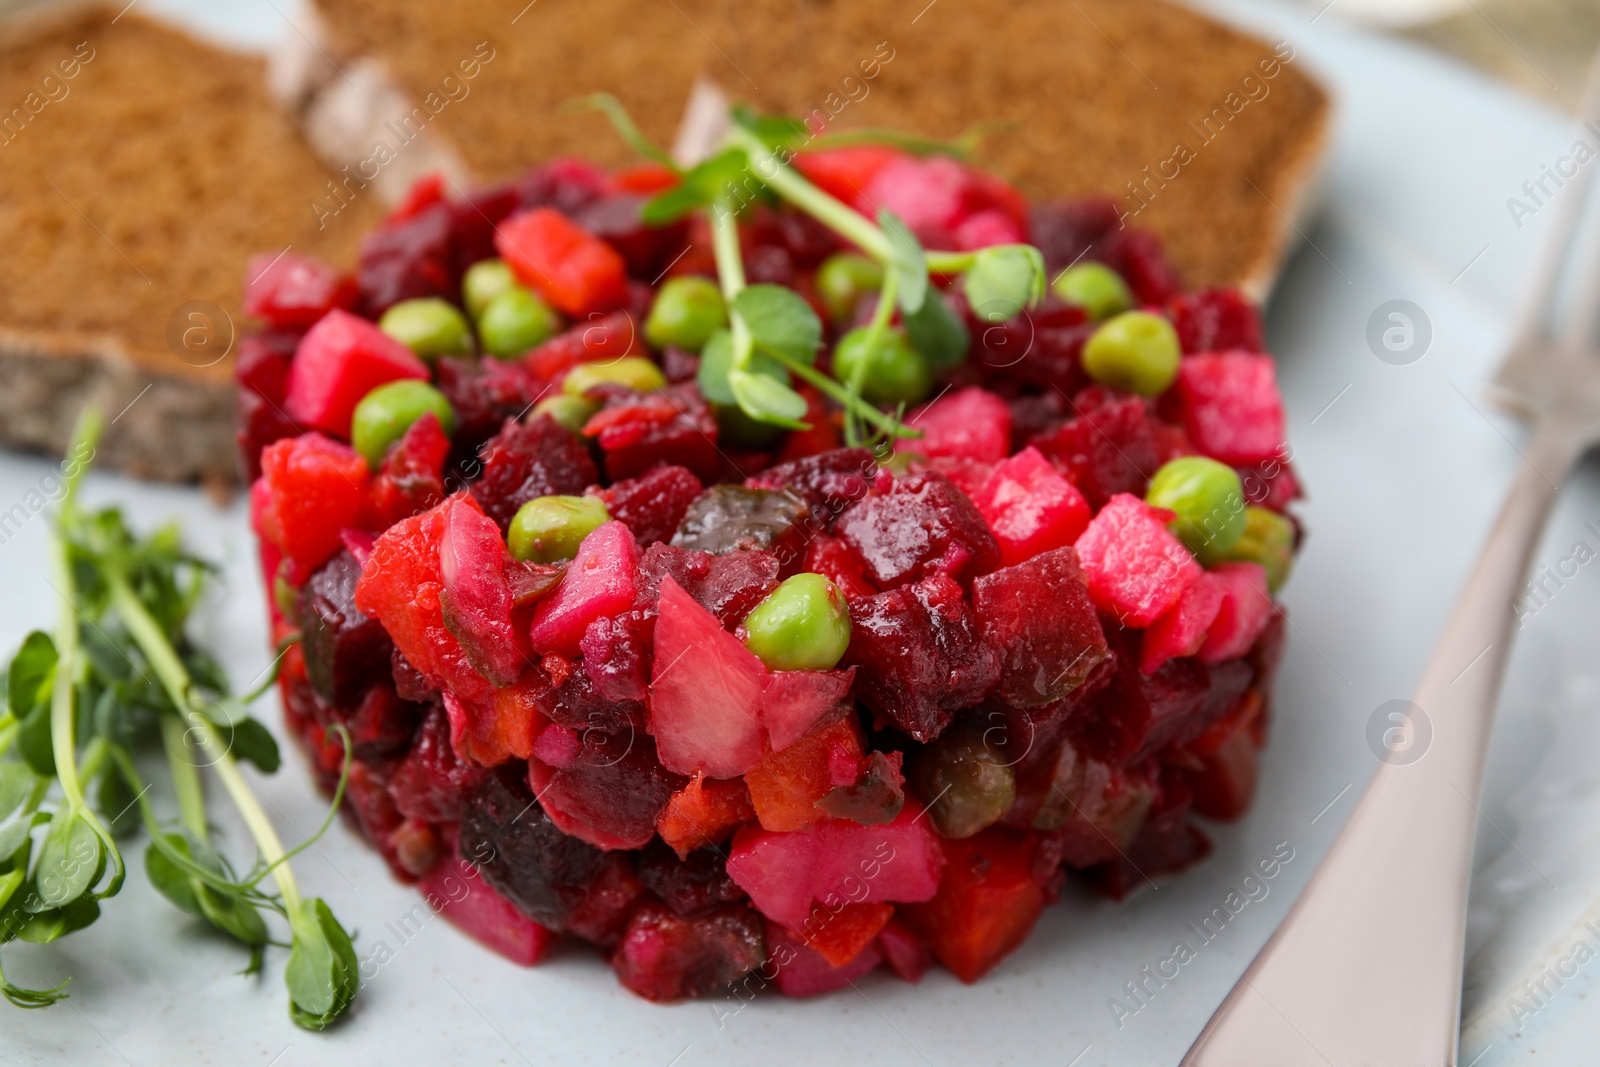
column 1366, row 968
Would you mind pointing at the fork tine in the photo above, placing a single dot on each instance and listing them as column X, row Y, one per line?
column 1543, row 296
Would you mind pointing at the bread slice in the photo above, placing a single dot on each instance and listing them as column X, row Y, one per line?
column 139, row 171
column 1207, row 135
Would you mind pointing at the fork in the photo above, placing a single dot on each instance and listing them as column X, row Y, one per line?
column 1366, row 968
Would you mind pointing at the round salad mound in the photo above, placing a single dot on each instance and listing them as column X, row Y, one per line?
column 768, row 589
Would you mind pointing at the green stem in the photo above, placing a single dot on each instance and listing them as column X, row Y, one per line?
column 730, row 274
column 8, row 730
column 881, row 314
column 841, row 395
column 185, row 776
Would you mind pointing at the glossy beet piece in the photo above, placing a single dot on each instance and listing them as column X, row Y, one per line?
column 475, row 595
column 603, row 787
column 832, row 480
column 1039, row 618
column 728, row 586
column 793, row 703
column 262, row 374
column 730, row 518
column 311, row 488
column 837, row 562
column 432, row 782
column 455, row 890
column 411, row 478
column 638, row 431
column 529, row 460
column 1092, row 808
column 918, row 526
column 409, row 258
column 345, row 651
column 484, row 393
column 1030, row 508
column 987, row 903
column 600, row 581
column 1232, row 410
column 575, row 271
column 1042, row 349
column 705, row 691
column 381, row 725
column 1216, row 320
column 653, row 504
column 1137, row 255
column 1108, row 446
column 599, row 339
column 647, row 250
column 616, row 651
column 1227, row 758
column 967, row 423
column 665, row 957
column 1140, row 714
column 1182, row 628
column 1137, row 569
column 292, row 292
column 688, row 885
column 919, row 655
column 340, row 360
column 704, row 812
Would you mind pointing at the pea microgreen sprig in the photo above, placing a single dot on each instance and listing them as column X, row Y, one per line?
column 773, row 335
column 115, row 679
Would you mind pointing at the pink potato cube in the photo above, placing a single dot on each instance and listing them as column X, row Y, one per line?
column 1031, row 508
column 340, row 360
column 1231, row 407
column 600, row 581
column 1246, row 610
column 455, row 890
column 969, row 423
column 1136, row 568
column 1181, row 629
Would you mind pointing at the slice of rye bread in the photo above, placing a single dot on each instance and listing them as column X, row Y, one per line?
column 139, row 170
column 1204, row 134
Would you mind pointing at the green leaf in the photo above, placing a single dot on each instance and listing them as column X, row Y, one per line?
column 774, row 131
column 167, row 878
column 16, row 782
column 322, row 973
column 31, row 671
column 116, row 801
column 70, row 859
column 937, row 333
column 1003, row 280
column 716, row 360
column 46, row 926
column 768, row 400
column 106, row 658
column 34, row 742
column 14, row 839
column 726, row 174
column 232, row 913
column 250, row 741
column 780, row 321
column 670, row 205
column 907, row 261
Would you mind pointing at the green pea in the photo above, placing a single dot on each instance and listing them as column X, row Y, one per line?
column 803, row 625
column 965, row 780
column 894, row 373
column 572, row 412
column 1208, row 500
column 1268, row 539
column 515, row 321
column 1094, row 287
column 485, row 280
column 843, row 279
column 686, row 312
column 429, row 326
column 1136, row 351
column 549, row 529
column 635, row 372
column 1003, row 280
column 383, row 416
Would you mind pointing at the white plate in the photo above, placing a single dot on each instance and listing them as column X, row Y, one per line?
column 1405, row 469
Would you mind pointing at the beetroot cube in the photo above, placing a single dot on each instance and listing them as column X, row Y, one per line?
column 1137, row 569
column 311, row 488
column 834, row 560
column 968, row 423
column 577, row 272
column 729, row 586
column 833, row 480
column 1182, row 628
column 610, row 789
column 904, row 951
column 1093, row 809
column 1231, row 407
column 1246, row 609
column 638, row 431
column 1030, row 508
column 432, row 782
column 345, row 651
column 601, row 580
column 340, row 360
column 1137, row 255
column 690, row 884
column 665, row 957
column 1108, row 447
column 653, row 504
column 920, row 525
column 705, row 691
column 455, row 890
column 919, row 655
column 616, row 655
column 381, row 725
column 476, row 596
column 408, row 258
column 1039, row 618
column 1167, row 842
column 793, row 703
column 525, row 461
column 411, row 478
column 1216, row 320
column 292, row 291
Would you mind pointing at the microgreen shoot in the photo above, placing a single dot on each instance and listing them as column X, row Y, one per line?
column 119, row 676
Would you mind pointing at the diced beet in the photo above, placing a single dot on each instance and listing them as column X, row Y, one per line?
column 729, row 586
column 411, row 478
column 345, row 651
column 1231, row 406
column 705, row 691
column 615, row 219
column 565, row 183
column 1166, row 843
column 475, row 596
column 638, row 431
column 1139, row 714
column 983, row 229
column 1181, row 629
column 577, row 703
column 841, row 932
column 293, row 291
column 731, row 518
column 1228, row 754
column 803, row 972
column 785, row 786
column 987, row 903
column 340, row 360
column 904, row 951
column 1246, row 610
column 616, row 654
column 877, row 795
column 432, row 782
column 705, row 812
column 836, row 561
column 409, row 258
column 1093, row 809
column 1065, row 230
column 833, row 480
column 611, row 790
column 653, row 504
column 312, row 488
column 920, row 525
column 455, row 890
column 1030, row 508
column 367, row 799
column 1039, row 617
column 932, row 195
column 794, row 702
column 968, row 475
column 1270, row 484
column 690, row 884
column 919, row 655
column 262, row 374
column 577, row 272
column 381, row 724
column 1137, row 255
column 665, row 957
column 529, row 460
column 968, row 423
column 785, row 873
column 597, row 340
column 473, row 218
column 1043, row 348
column 846, row 173
column 409, row 682
column 1136, row 568
column 1216, row 320
column 1108, row 446
column 601, row 580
